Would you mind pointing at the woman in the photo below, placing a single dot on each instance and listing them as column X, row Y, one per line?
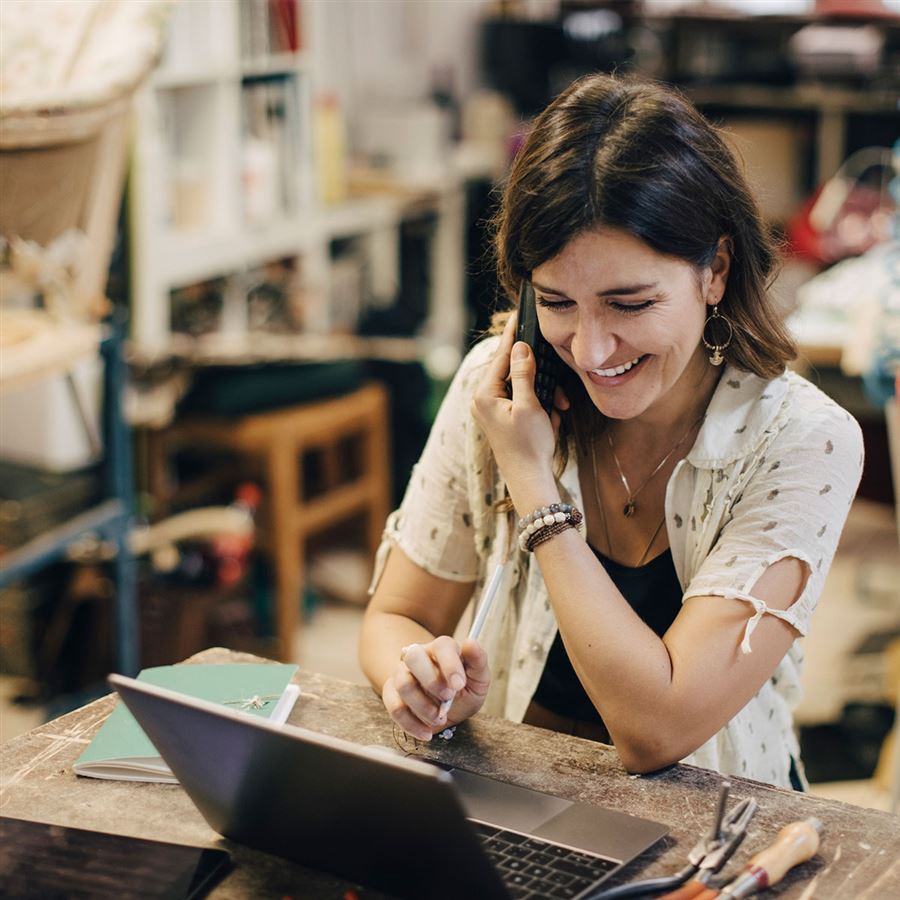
column 713, row 495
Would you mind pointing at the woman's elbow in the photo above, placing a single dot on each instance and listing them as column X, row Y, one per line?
column 642, row 755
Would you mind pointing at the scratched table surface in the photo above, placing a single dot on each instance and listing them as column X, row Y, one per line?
column 859, row 856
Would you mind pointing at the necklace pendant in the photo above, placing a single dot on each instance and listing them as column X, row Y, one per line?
column 628, row 510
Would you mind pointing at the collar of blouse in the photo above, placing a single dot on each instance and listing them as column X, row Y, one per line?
column 742, row 408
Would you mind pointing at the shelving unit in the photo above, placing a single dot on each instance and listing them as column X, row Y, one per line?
column 830, row 105
column 63, row 144
column 224, row 198
column 222, row 168
column 224, row 184
column 110, row 519
column 801, row 135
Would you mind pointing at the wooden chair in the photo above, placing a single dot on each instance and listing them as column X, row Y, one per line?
column 279, row 440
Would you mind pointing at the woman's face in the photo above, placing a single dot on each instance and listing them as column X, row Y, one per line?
column 628, row 321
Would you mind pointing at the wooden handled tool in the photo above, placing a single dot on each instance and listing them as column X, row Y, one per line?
column 796, row 843
column 693, row 890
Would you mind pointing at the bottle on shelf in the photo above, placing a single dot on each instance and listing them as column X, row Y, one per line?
column 330, row 149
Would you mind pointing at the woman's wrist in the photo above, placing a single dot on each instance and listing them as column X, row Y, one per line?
column 531, row 497
column 384, row 636
column 545, row 523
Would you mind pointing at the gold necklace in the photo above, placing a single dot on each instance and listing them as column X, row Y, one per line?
column 609, row 550
column 630, row 506
column 597, row 498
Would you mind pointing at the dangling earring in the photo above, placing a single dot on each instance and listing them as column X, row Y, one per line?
column 717, row 357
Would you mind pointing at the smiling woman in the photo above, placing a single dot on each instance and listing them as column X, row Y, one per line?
column 628, row 322
column 713, row 496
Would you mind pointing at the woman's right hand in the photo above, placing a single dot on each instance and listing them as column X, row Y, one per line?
column 429, row 675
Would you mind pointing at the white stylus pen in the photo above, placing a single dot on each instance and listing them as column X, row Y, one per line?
column 484, row 607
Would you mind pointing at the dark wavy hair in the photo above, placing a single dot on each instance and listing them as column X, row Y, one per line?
column 634, row 155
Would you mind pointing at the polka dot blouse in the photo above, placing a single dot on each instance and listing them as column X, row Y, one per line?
column 772, row 474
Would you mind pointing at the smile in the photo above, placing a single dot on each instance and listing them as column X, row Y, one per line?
column 617, row 370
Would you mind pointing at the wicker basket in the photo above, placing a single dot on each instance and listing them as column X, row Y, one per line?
column 65, row 171
column 70, row 70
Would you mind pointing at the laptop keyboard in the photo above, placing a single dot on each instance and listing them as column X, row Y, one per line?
column 532, row 868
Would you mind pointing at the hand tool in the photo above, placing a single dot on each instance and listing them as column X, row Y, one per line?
column 796, row 843
column 706, row 858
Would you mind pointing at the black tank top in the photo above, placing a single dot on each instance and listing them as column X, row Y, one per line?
column 653, row 592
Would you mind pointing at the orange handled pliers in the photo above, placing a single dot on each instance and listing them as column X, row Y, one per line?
column 704, row 861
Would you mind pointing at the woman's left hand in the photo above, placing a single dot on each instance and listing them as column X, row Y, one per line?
column 521, row 435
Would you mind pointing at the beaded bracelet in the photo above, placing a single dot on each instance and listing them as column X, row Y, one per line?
column 546, row 533
column 543, row 518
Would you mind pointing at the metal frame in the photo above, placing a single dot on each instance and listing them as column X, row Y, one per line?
column 110, row 520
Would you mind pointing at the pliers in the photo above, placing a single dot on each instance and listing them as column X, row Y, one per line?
column 707, row 857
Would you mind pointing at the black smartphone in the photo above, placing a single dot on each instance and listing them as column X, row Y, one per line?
column 548, row 362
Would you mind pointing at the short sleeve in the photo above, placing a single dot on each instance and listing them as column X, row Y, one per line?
column 434, row 523
column 794, row 505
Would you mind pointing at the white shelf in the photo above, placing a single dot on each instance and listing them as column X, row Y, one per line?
column 361, row 215
column 276, row 64
column 257, row 347
column 222, row 142
column 189, row 258
column 175, row 79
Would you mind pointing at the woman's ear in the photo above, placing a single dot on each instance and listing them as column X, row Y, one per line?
column 719, row 268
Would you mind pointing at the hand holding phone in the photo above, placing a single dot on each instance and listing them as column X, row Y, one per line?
column 528, row 330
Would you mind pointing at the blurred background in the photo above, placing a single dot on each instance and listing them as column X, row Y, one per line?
column 245, row 246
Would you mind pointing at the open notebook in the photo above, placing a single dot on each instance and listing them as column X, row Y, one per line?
column 121, row 751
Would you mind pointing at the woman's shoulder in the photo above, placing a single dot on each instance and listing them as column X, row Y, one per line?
column 457, row 401
column 817, row 433
column 787, row 411
column 809, row 410
column 482, row 351
column 478, row 356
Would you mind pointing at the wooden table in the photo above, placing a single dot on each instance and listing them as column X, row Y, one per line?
column 859, row 857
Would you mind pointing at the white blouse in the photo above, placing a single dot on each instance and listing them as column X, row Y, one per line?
column 772, row 474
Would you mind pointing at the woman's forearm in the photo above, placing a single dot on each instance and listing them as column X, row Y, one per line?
column 624, row 667
column 621, row 663
column 662, row 698
column 381, row 639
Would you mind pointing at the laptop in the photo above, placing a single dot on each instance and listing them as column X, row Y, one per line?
column 395, row 823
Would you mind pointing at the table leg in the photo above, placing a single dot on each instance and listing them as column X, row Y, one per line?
column 283, row 466
column 378, row 465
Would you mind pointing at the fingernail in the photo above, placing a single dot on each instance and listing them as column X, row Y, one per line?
column 448, row 694
column 520, row 350
column 457, row 682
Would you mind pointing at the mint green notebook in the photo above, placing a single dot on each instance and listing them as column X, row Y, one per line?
column 120, row 750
